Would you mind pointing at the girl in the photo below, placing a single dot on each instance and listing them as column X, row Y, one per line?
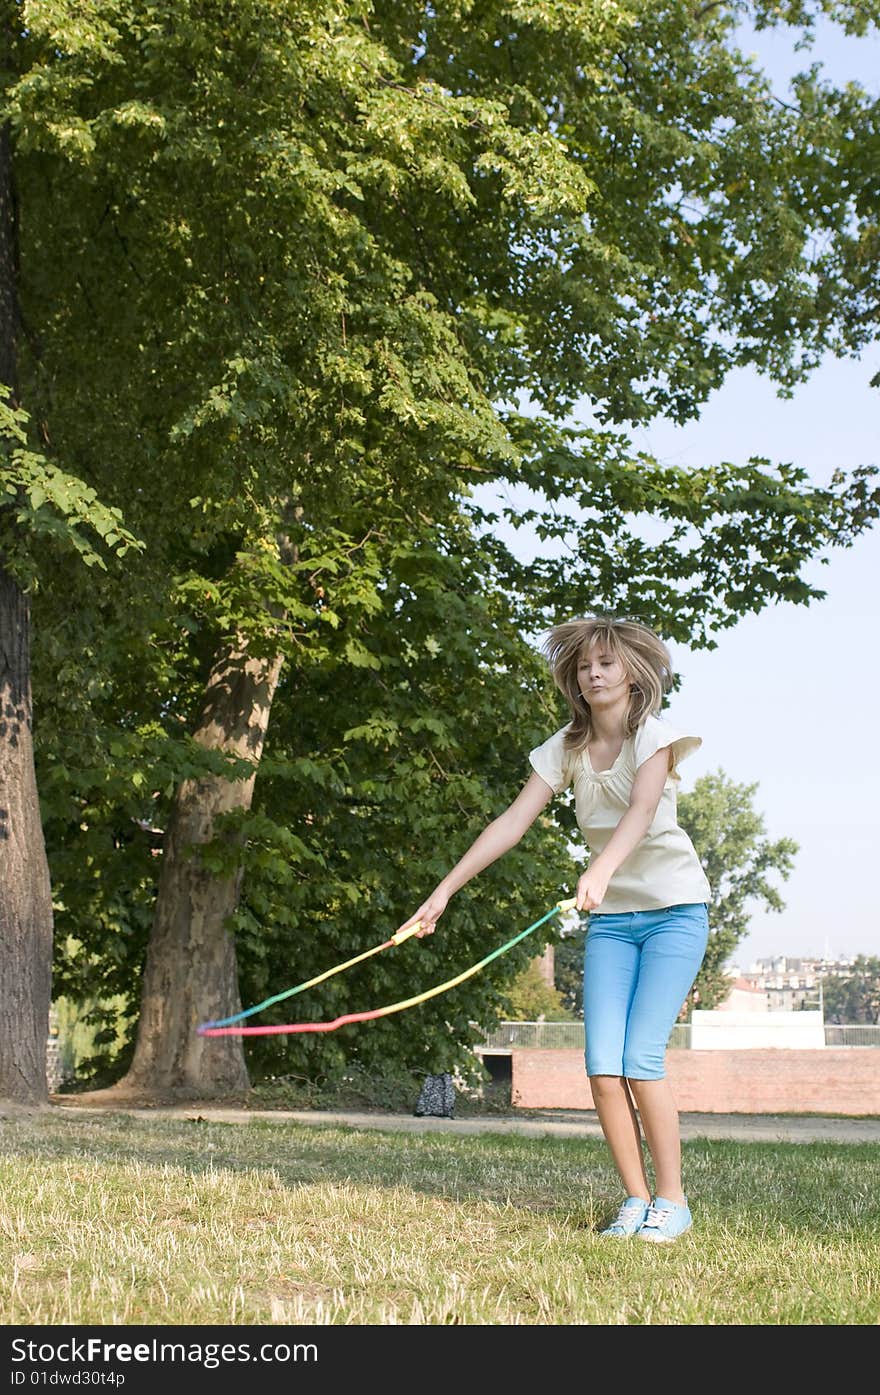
column 644, row 889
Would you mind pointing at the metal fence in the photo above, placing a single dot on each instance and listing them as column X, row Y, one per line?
column 851, row 1035
column 570, row 1036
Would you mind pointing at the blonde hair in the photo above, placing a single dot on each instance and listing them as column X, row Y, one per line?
column 642, row 653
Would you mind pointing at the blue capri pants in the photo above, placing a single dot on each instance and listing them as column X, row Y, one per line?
column 639, row 967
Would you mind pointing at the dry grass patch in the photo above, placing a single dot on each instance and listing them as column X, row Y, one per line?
column 114, row 1219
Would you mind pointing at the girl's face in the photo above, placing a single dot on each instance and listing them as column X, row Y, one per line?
column 602, row 678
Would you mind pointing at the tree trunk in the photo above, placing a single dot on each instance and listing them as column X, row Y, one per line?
column 191, row 972
column 25, row 891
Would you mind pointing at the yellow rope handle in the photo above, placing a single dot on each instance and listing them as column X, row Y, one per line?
column 400, row 935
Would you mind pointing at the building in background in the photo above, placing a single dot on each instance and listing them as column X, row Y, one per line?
column 745, row 996
column 788, row 984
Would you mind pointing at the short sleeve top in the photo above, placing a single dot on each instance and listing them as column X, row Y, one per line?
column 663, row 869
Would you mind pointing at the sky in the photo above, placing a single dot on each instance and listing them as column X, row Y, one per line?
column 786, row 701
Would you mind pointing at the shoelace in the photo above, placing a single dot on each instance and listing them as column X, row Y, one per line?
column 656, row 1216
column 621, row 1220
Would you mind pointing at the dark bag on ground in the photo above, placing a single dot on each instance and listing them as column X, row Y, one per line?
column 437, row 1096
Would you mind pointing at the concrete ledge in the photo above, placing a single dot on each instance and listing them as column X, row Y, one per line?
column 720, row 1030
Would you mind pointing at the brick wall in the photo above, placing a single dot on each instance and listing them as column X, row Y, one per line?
column 836, row 1080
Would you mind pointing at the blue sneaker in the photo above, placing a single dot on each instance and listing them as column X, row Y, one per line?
column 665, row 1221
column 629, row 1218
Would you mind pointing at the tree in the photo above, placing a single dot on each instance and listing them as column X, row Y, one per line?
column 532, row 999
column 26, row 899
column 727, row 832
column 854, row 996
column 568, row 974
column 844, row 178
column 544, row 204
column 371, row 779
column 38, row 501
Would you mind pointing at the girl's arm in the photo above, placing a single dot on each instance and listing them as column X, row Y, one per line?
column 646, row 791
column 497, row 838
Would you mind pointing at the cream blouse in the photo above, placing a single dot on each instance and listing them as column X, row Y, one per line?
column 663, row 869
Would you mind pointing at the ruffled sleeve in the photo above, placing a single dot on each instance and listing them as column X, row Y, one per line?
column 654, row 734
column 553, row 762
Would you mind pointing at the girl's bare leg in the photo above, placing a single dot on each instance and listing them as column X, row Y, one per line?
column 659, row 1116
column 620, row 1125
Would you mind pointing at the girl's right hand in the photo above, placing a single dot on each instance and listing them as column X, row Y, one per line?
column 429, row 913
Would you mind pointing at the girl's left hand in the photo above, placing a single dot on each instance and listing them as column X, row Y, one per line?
column 591, row 889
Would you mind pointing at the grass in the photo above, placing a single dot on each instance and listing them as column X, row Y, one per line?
column 115, row 1219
